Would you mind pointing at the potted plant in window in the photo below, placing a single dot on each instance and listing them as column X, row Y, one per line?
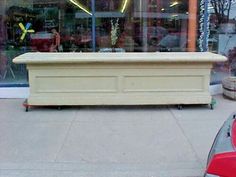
column 114, row 34
column 229, row 83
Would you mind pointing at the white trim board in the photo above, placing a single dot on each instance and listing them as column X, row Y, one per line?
column 14, row 92
column 23, row 92
column 216, row 89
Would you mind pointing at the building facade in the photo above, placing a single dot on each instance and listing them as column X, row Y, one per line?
column 106, row 25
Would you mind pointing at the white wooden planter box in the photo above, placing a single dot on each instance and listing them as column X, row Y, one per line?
column 119, row 78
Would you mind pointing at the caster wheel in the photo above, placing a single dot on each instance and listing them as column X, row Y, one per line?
column 212, row 104
column 180, row 107
column 26, row 105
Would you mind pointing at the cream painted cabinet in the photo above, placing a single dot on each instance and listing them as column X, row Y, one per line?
column 119, row 78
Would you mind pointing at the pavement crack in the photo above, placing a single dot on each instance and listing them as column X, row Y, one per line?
column 188, row 140
column 66, row 136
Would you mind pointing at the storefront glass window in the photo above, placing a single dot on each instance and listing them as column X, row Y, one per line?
column 143, row 26
column 222, row 38
column 73, row 26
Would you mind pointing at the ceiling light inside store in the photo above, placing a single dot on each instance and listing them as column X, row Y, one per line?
column 124, row 6
column 80, row 6
column 174, row 4
column 162, row 9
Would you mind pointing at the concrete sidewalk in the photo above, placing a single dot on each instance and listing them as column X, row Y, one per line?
column 108, row 141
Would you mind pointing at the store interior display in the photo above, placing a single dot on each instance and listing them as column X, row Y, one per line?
column 141, row 26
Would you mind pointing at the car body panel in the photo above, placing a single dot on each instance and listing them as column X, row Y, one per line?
column 223, row 165
column 222, row 156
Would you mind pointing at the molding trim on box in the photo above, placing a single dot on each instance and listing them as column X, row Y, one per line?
column 23, row 92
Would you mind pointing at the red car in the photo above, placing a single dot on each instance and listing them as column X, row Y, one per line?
column 222, row 156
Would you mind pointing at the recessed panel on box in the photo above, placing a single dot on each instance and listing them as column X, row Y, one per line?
column 70, row 84
column 163, row 83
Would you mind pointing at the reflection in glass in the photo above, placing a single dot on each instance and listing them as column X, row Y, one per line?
column 222, row 37
column 66, row 26
column 145, row 26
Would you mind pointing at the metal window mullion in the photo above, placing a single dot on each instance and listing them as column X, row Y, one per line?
column 93, row 26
